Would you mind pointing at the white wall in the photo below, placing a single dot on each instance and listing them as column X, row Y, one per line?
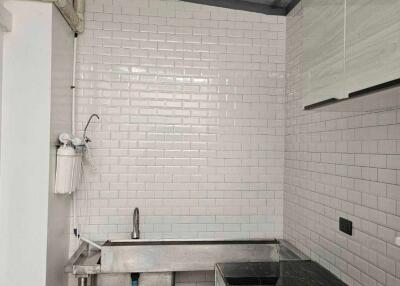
column 341, row 164
column 4, row 27
column 3, row 218
column 25, row 144
column 1, row 72
column 61, row 105
column 36, row 107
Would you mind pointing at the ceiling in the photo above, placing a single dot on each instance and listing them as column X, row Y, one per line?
column 269, row 7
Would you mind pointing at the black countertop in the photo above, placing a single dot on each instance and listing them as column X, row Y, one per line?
column 284, row 273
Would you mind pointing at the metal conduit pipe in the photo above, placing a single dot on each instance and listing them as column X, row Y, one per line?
column 72, row 11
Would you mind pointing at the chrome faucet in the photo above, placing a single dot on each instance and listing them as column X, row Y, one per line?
column 85, row 138
column 136, row 232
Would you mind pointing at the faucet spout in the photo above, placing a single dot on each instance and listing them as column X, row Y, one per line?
column 136, row 232
column 85, row 138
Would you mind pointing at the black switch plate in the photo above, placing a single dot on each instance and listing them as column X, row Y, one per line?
column 346, row 226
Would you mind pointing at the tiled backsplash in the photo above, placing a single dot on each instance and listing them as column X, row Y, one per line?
column 192, row 120
column 341, row 165
column 192, row 131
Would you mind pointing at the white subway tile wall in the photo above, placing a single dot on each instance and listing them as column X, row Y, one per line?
column 341, row 165
column 191, row 127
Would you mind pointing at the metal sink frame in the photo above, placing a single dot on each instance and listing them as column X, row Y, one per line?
column 127, row 256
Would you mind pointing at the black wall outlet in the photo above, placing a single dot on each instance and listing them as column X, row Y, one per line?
column 346, row 226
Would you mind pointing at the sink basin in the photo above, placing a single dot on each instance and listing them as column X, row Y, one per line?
column 182, row 255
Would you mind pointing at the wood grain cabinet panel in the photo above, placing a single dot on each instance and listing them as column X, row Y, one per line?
column 372, row 43
column 324, row 28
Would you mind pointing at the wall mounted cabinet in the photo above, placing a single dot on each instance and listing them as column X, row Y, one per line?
column 351, row 47
column 324, row 64
column 372, row 43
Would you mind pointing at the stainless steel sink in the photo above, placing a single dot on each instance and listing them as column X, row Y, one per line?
column 126, row 256
column 182, row 255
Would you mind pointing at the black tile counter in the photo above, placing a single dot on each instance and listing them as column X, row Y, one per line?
column 284, row 273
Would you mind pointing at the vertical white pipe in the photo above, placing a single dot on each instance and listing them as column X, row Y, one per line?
column 74, row 201
column 74, row 86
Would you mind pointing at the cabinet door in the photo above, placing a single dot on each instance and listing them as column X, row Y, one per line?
column 324, row 27
column 372, row 43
